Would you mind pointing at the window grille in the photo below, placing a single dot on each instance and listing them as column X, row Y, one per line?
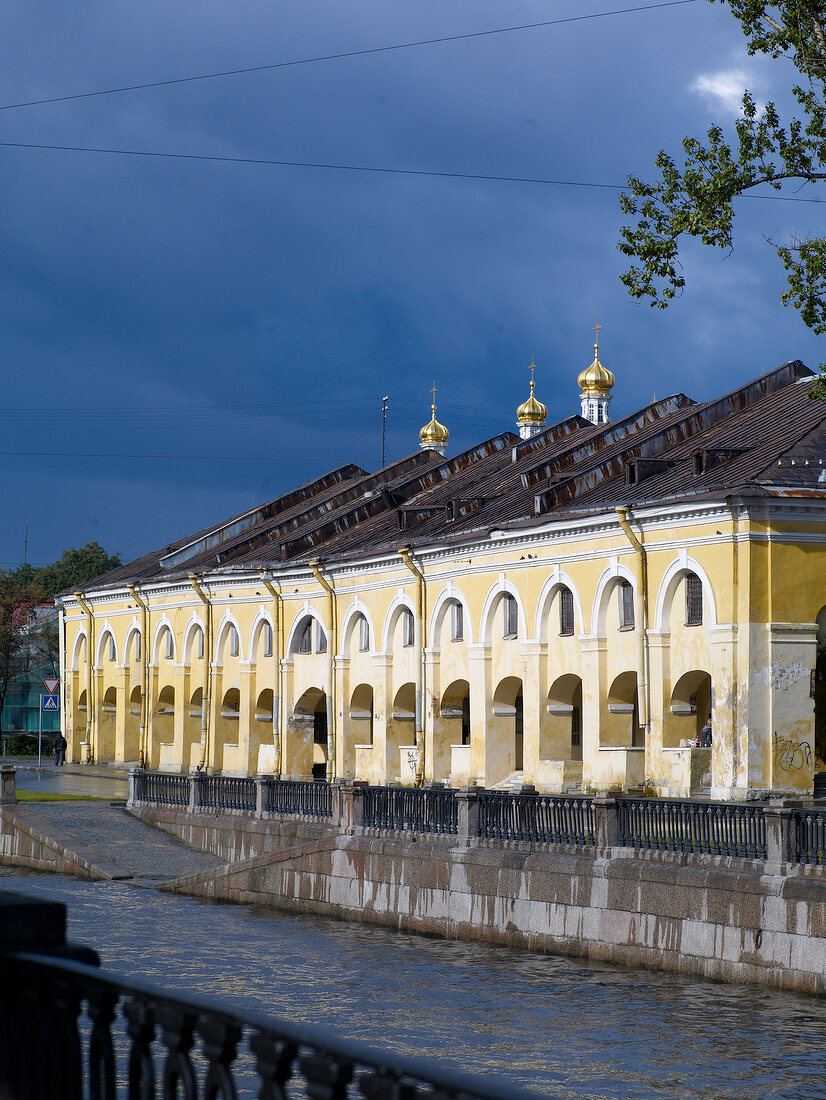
column 320, row 639
column 364, row 635
column 457, row 614
column 169, row 645
column 626, row 606
column 200, row 645
column 137, row 647
column 305, row 641
column 267, row 629
column 510, row 617
column 693, row 600
column 566, row 611
column 111, row 648
column 407, row 628
column 233, row 642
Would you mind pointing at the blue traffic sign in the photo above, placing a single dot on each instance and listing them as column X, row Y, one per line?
column 50, row 703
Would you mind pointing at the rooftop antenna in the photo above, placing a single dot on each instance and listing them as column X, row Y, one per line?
column 385, row 404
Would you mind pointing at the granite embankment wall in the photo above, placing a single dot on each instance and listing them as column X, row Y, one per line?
column 26, row 840
column 738, row 920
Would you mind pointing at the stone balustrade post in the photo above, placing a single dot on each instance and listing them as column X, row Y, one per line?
column 8, row 785
column 135, row 775
column 351, row 811
column 261, row 782
column 194, row 793
column 780, row 833
column 606, row 821
column 467, row 804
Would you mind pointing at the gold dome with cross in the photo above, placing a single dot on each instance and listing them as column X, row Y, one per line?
column 596, row 380
column 434, row 435
column 531, row 411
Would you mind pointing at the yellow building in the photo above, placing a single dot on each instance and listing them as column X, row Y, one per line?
column 564, row 606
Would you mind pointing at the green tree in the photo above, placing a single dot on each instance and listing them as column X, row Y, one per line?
column 75, row 566
column 697, row 198
column 25, row 638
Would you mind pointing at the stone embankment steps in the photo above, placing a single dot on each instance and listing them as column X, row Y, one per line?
column 116, row 843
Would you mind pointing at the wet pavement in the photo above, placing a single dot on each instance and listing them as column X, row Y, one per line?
column 70, row 778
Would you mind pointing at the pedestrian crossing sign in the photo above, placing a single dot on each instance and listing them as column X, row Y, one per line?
column 50, row 703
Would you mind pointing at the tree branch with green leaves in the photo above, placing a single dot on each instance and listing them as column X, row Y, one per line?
column 697, row 198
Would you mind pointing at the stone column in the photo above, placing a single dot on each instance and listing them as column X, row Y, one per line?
column 479, row 662
column 261, row 782
column 351, row 813
column 593, row 650
column 179, row 682
column 8, row 792
column 246, row 717
column 793, row 657
column 533, row 699
column 780, row 834
column 726, row 713
column 606, row 821
column 657, row 765
column 467, row 802
column 382, row 705
column 135, row 774
column 194, row 793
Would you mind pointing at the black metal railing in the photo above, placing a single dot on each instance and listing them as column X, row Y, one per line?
column 553, row 819
column 704, row 827
column 223, row 792
column 414, row 809
column 809, row 836
column 309, row 799
column 165, row 789
column 69, row 1030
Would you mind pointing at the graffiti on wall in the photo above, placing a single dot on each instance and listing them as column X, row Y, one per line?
column 791, row 755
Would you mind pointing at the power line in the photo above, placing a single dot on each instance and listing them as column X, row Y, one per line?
column 359, row 167
column 170, row 458
column 344, row 55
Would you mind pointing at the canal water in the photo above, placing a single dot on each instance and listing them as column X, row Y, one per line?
column 558, row 1026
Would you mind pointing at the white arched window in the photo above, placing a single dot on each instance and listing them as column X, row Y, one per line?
column 267, row 639
column 693, row 600
column 626, row 605
column 510, row 624
column 457, row 622
column 566, row 611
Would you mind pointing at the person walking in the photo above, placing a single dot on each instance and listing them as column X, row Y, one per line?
column 59, row 749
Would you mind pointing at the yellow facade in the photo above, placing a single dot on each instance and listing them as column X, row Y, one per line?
column 243, row 680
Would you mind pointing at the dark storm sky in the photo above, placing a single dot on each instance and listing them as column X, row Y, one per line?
column 163, row 307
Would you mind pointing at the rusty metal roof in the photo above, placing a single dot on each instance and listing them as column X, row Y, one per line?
column 765, row 438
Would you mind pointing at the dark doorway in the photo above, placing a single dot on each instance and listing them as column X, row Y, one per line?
column 320, row 736
column 466, row 720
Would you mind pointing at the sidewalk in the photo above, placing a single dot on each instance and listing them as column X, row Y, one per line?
column 106, row 771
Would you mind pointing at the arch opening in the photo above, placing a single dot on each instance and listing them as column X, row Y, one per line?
column 689, row 707
column 620, row 728
column 560, row 732
column 306, row 741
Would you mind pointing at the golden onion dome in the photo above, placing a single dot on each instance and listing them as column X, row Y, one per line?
column 434, row 434
column 596, row 380
column 531, row 411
